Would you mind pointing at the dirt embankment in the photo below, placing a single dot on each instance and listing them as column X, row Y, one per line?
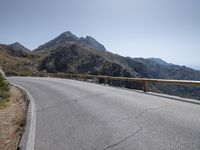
column 12, row 118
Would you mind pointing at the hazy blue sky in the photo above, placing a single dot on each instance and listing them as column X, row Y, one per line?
column 169, row 29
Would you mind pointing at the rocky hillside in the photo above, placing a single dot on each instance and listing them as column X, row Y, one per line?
column 69, row 54
column 75, row 58
column 16, row 62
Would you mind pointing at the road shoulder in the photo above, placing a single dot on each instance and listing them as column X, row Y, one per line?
column 12, row 119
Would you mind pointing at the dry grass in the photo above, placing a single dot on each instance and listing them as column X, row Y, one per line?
column 12, row 118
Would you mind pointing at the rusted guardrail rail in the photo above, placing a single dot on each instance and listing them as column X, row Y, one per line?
column 145, row 81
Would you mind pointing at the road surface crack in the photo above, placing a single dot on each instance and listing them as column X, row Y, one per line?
column 142, row 113
column 126, row 138
column 147, row 110
column 135, row 132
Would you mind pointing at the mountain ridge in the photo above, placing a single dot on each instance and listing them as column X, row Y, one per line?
column 67, row 37
column 160, row 61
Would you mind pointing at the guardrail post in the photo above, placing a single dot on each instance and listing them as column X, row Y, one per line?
column 145, row 86
column 84, row 78
column 96, row 80
column 106, row 81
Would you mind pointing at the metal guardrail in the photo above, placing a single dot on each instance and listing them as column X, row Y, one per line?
column 145, row 81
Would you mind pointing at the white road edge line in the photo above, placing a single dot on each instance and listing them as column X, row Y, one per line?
column 31, row 136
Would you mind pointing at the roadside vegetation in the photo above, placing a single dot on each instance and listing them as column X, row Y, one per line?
column 4, row 89
column 13, row 110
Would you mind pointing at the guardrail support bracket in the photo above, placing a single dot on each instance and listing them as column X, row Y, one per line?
column 145, row 87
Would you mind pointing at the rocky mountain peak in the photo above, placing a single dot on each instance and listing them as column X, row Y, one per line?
column 68, row 38
column 19, row 47
column 68, row 33
column 92, row 42
column 16, row 44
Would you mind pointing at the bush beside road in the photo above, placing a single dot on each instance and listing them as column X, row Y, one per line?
column 13, row 110
column 4, row 88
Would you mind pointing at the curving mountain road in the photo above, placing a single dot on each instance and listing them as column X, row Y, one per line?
column 75, row 115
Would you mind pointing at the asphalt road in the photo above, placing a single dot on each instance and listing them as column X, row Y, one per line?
column 75, row 115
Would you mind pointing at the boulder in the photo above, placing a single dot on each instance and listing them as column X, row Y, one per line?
column 1, row 71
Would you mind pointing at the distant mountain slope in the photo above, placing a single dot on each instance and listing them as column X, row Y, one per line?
column 160, row 61
column 19, row 47
column 164, row 71
column 196, row 67
column 13, row 52
column 69, row 38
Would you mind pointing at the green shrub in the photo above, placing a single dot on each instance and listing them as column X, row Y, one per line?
column 4, row 88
